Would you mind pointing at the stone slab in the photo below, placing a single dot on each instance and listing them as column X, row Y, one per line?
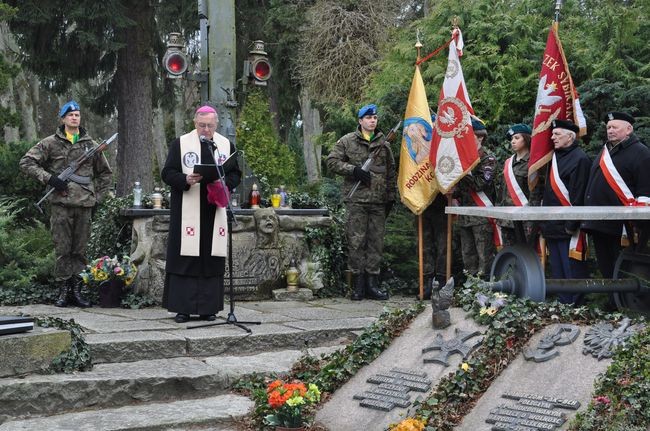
column 570, row 375
column 302, row 294
column 556, row 213
column 342, row 323
column 31, row 310
column 31, row 351
column 121, row 326
column 218, row 412
column 343, row 413
column 266, row 338
column 135, row 346
column 121, row 384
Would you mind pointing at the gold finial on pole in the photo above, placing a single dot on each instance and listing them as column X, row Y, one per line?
column 558, row 6
column 418, row 44
column 455, row 21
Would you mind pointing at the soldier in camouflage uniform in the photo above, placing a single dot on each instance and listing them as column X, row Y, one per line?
column 73, row 201
column 368, row 208
column 476, row 233
column 520, row 137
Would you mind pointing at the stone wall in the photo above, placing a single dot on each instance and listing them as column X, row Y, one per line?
column 265, row 242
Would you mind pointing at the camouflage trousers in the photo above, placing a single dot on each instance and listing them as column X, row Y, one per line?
column 434, row 240
column 477, row 247
column 70, row 227
column 364, row 229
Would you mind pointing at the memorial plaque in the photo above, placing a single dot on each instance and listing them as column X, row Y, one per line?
column 413, row 386
column 393, row 389
column 377, row 405
column 408, row 372
column 369, row 395
column 455, row 345
column 531, row 411
column 387, row 393
column 536, row 425
column 504, row 426
column 562, row 335
column 557, row 402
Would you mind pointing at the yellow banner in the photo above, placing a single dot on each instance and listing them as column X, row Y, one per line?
column 416, row 181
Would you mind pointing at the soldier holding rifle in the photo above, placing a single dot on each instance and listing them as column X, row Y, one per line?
column 369, row 205
column 73, row 200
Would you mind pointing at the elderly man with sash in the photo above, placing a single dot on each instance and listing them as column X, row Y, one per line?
column 198, row 228
column 620, row 175
column 567, row 180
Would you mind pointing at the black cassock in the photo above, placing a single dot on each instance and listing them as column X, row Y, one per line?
column 193, row 284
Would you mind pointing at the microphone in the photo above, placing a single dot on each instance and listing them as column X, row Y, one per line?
column 207, row 141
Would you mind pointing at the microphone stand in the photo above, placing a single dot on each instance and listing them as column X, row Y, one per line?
column 231, row 319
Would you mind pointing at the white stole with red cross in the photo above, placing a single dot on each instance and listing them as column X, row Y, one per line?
column 191, row 205
column 482, row 200
column 578, row 242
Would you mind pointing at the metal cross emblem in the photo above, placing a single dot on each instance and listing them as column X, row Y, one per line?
column 454, row 345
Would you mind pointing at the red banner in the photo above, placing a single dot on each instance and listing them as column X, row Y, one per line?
column 557, row 99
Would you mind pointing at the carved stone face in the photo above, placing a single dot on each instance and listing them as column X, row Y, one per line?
column 267, row 222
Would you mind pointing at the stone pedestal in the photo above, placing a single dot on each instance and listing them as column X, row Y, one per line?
column 31, row 351
column 302, row 294
column 264, row 243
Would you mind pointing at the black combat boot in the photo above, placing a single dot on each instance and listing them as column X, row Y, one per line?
column 75, row 294
column 372, row 288
column 62, row 300
column 359, row 285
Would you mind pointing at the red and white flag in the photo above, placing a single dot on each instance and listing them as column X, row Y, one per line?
column 453, row 146
column 557, row 99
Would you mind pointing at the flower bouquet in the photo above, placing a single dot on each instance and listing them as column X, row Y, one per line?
column 287, row 401
column 112, row 274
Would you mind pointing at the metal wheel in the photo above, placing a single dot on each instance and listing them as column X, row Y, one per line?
column 521, row 265
column 633, row 265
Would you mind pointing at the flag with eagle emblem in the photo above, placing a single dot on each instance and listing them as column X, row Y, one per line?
column 453, row 147
column 557, row 99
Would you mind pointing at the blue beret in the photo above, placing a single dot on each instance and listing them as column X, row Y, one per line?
column 518, row 128
column 70, row 106
column 367, row 110
column 620, row 116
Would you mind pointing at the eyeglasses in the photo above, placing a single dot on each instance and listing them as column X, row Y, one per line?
column 206, row 126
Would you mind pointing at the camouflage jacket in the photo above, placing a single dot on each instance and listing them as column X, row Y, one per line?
column 481, row 179
column 353, row 150
column 55, row 153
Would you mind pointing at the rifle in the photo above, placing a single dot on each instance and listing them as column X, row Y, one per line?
column 69, row 172
column 366, row 165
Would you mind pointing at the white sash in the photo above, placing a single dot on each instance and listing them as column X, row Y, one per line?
column 482, row 200
column 514, row 190
column 191, row 205
column 578, row 242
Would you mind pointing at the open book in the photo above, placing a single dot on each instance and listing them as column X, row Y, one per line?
column 209, row 171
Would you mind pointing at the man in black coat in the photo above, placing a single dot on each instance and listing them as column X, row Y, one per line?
column 625, row 154
column 566, row 187
column 197, row 243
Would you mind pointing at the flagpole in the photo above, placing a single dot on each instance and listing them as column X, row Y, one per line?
column 418, row 47
column 449, row 229
column 558, row 6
